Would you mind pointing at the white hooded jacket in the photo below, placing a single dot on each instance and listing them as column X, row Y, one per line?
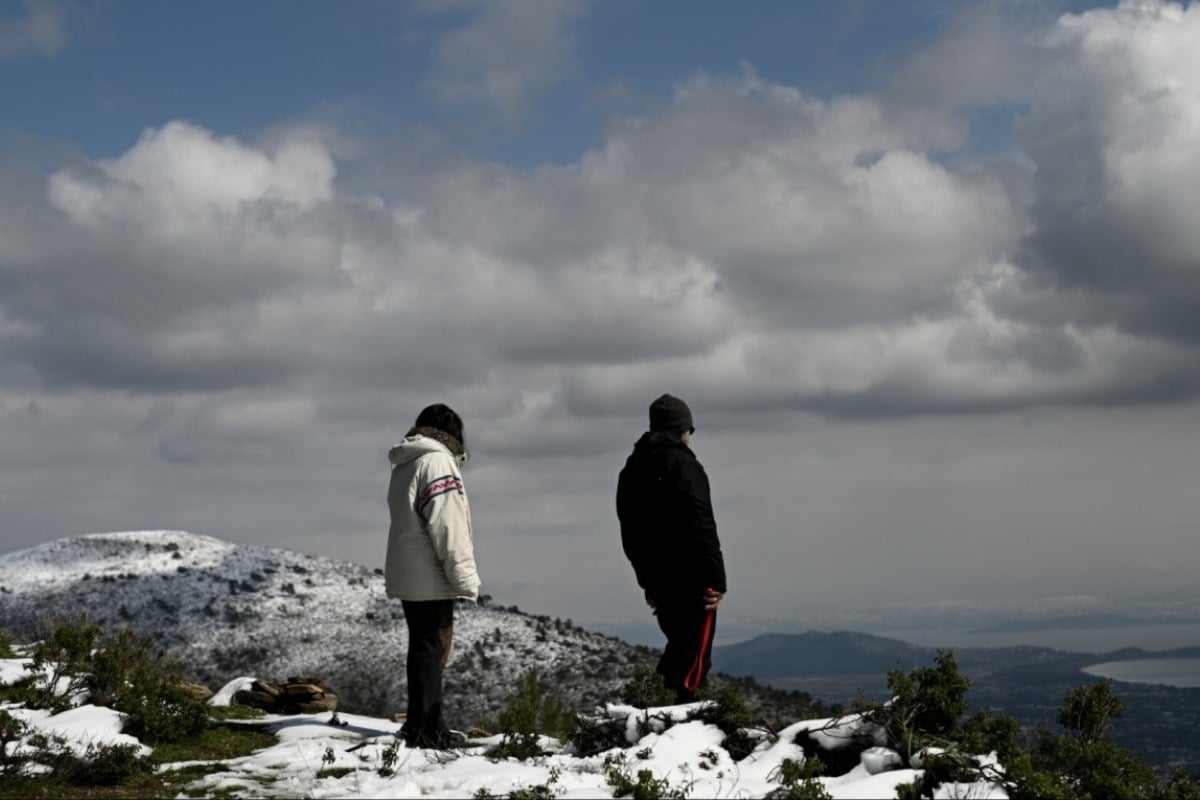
column 431, row 551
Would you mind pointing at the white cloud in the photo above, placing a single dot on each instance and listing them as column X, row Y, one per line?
column 746, row 236
column 228, row 306
column 179, row 176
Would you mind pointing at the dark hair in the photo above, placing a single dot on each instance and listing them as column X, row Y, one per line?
column 443, row 418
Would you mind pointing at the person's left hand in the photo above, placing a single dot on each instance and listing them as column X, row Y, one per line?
column 712, row 599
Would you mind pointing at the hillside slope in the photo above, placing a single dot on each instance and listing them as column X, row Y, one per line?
column 228, row 610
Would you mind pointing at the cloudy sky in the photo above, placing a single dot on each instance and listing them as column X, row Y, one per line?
column 927, row 273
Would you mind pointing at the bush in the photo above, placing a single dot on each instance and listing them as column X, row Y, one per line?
column 729, row 712
column 597, row 734
column 1089, row 710
column 535, row 707
column 646, row 689
column 134, row 675
column 521, row 746
column 60, row 659
column 104, row 765
column 164, row 714
column 1085, row 762
column 799, row 781
column 11, row 730
column 532, row 708
column 121, row 670
column 926, row 711
column 644, row 787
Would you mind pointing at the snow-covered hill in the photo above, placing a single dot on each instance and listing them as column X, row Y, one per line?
column 227, row 610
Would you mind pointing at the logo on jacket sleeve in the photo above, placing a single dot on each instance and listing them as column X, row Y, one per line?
column 437, row 487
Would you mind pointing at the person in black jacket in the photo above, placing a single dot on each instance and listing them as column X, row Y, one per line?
column 670, row 537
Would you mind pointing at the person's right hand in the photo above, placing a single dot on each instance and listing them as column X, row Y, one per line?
column 712, row 599
column 650, row 601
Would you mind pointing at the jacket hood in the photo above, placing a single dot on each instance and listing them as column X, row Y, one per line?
column 413, row 447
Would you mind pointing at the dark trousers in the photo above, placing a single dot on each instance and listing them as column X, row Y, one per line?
column 683, row 624
column 430, row 635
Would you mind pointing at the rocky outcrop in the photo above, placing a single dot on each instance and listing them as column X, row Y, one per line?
column 298, row 695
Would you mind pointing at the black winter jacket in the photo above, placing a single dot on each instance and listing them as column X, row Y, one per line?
column 667, row 525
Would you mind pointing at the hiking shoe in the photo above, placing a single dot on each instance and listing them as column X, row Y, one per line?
column 442, row 740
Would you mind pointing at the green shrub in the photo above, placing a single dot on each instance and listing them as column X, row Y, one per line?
column 388, row 760
column 535, row 707
column 645, row 786
column 11, row 730
column 1084, row 762
column 728, row 711
column 164, row 713
column 122, row 670
column 132, row 674
column 60, row 659
column 521, row 746
column 104, row 765
column 1088, row 711
column 595, row 734
column 931, row 700
column 982, row 733
column 798, row 781
column 646, row 689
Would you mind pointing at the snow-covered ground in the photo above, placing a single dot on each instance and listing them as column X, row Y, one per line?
column 239, row 610
column 227, row 609
column 313, row 758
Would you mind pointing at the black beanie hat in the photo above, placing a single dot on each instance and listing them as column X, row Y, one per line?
column 669, row 413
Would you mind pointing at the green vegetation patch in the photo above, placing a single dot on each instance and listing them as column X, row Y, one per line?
column 219, row 742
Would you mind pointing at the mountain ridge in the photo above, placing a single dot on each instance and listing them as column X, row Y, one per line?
column 228, row 610
column 232, row 610
column 817, row 654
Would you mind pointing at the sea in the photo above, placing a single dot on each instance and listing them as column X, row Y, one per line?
column 1164, row 670
column 1180, row 672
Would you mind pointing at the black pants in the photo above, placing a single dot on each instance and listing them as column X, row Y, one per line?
column 430, row 635
column 683, row 624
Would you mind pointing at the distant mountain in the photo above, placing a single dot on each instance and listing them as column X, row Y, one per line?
column 1160, row 724
column 784, row 659
column 814, row 654
column 1081, row 621
column 229, row 610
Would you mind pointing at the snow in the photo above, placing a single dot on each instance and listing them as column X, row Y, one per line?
column 224, row 695
column 176, row 576
column 79, row 727
column 12, row 670
column 687, row 753
column 226, row 609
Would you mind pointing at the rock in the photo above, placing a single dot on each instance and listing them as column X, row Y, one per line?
column 197, row 690
column 317, row 706
column 305, row 695
column 249, row 697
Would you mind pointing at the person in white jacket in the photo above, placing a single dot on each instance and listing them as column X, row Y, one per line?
column 430, row 560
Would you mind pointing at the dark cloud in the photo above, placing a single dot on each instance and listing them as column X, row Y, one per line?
column 1110, row 130
column 891, row 348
